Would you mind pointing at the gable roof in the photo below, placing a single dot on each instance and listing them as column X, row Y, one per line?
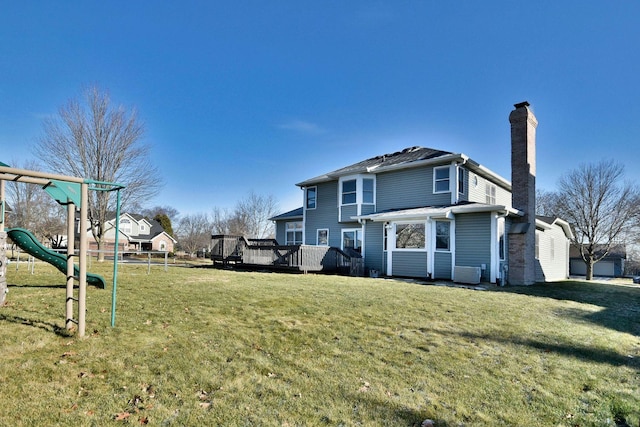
column 546, row 222
column 408, row 158
column 155, row 228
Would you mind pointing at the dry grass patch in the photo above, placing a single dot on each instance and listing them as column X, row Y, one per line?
column 200, row 346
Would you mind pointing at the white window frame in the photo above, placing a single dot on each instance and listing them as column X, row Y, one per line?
column 435, row 236
column 502, row 237
column 395, row 237
column 128, row 228
column 315, row 197
column 460, row 180
column 436, row 180
column 293, row 230
column 318, row 236
column 358, row 231
column 490, row 193
column 359, row 192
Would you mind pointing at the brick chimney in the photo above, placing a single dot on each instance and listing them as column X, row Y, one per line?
column 522, row 236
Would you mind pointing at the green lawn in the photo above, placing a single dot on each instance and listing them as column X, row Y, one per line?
column 198, row 346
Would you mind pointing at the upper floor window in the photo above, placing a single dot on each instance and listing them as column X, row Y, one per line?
column 443, row 233
column 293, row 233
column 125, row 225
column 349, row 192
column 441, row 179
column 142, row 227
column 367, row 190
column 490, row 193
column 460, row 180
column 410, row 236
column 311, row 197
column 357, row 190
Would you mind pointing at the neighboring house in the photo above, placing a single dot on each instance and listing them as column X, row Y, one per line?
column 612, row 265
column 138, row 234
column 429, row 213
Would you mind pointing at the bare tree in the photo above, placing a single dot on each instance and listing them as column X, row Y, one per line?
column 249, row 218
column 600, row 206
column 34, row 210
column 194, row 232
column 91, row 138
column 546, row 203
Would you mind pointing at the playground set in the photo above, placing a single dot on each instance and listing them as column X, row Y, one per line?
column 73, row 193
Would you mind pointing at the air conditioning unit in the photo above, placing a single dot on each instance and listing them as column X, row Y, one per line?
column 467, row 275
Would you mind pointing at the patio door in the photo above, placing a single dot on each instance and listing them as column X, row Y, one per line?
column 352, row 239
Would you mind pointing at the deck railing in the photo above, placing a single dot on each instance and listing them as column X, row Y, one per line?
column 268, row 253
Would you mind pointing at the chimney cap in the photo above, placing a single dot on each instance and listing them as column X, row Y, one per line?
column 521, row 104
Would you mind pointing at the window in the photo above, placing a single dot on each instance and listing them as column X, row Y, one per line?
column 441, row 179
column 410, row 236
column 443, row 231
column 293, row 233
column 460, row 180
column 311, row 197
column 323, row 237
column 142, row 227
column 352, row 239
column 163, row 245
column 385, row 232
column 125, row 225
column 367, row 190
column 349, row 192
column 490, row 194
column 357, row 189
column 501, row 241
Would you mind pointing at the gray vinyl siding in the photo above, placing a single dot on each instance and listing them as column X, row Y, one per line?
column 410, row 264
column 373, row 245
column 348, row 211
column 280, row 231
column 473, row 241
column 325, row 215
column 367, row 209
column 442, row 265
column 551, row 264
column 477, row 193
column 408, row 188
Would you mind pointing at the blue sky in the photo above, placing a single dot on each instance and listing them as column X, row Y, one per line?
column 258, row 95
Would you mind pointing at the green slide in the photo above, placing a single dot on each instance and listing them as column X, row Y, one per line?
column 32, row 246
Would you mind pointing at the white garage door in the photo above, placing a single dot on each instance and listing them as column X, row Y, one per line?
column 602, row 268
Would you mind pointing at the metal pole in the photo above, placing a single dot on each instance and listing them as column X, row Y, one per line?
column 166, row 255
column 115, row 262
column 148, row 263
column 71, row 215
column 82, row 291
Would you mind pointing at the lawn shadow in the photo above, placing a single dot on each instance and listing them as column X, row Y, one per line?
column 62, row 286
column 575, row 350
column 41, row 324
column 620, row 303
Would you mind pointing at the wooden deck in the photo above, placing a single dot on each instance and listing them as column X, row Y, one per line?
column 236, row 250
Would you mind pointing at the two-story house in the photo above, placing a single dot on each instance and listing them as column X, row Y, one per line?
column 138, row 233
column 429, row 213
